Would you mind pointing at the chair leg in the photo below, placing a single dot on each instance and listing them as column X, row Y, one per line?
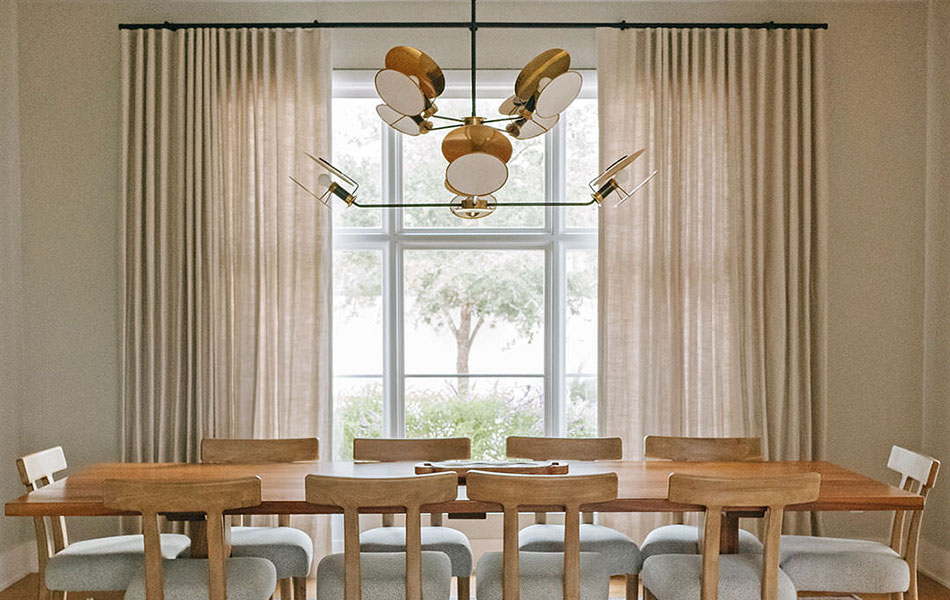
column 300, row 588
column 633, row 585
column 898, row 596
column 464, row 593
column 286, row 589
column 42, row 592
column 647, row 594
column 911, row 593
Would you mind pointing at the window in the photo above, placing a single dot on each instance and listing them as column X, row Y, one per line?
column 445, row 327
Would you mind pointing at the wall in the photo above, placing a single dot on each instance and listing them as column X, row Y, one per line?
column 69, row 92
column 936, row 408
column 13, row 532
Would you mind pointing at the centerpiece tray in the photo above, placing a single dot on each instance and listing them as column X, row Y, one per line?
column 524, row 467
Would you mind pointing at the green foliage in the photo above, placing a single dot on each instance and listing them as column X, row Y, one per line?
column 486, row 417
column 582, row 407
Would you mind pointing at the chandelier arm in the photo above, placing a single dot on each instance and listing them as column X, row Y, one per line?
column 501, row 119
column 447, row 118
column 449, row 205
column 452, row 126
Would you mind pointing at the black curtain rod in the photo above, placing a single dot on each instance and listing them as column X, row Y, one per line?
column 478, row 25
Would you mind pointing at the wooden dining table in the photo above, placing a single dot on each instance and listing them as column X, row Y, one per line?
column 642, row 487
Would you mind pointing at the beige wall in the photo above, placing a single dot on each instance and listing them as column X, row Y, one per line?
column 12, row 531
column 936, row 411
column 69, row 91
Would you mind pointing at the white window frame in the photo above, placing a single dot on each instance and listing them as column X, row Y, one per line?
column 392, row 240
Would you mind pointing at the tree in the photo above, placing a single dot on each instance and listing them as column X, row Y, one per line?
column 465, row 291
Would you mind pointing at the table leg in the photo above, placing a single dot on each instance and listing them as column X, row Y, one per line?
column 198, row 532
column 729, row 534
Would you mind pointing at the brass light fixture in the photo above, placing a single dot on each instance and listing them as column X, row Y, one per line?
column 477, row 151
column 610, row 180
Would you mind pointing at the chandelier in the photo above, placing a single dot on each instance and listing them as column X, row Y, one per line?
column 477, row 149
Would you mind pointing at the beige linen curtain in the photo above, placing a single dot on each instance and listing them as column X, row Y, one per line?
column 712, row 279
column 225, row 266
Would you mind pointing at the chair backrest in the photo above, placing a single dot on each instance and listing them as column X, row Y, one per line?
column 149, row 497
column 569, row 492
column 221, row 450
column 36, row 471
column 675, row 448
column 702, row 448
column 237, row 450
column 553, row 448
column 398, row 449
column 407, row 494
column 716, row 493
column 918, row 475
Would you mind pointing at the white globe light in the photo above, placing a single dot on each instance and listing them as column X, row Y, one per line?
column 400, row 92
column 476, row 174
column 399, row 122
column 558, row 94
column 535, row 126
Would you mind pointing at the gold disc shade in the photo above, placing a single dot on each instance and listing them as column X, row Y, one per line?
column 416, row 63
column 547, row 65
column 476, row 138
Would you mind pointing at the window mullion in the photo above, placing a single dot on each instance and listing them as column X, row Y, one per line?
column 555, row 288
column 392, row 288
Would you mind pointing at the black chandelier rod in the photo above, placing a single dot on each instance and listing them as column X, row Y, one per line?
column 622, row 25
column 449, row 205
column 473, row 26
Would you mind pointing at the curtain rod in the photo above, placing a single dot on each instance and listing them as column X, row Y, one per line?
column 477, row 25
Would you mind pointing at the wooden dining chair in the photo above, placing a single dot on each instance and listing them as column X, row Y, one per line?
column 101, row 564
column 389, row 538
column 679, row 538
column 216, row 577
column 515, row 574
column 709, row 576
column 841, row 567
column 413, row 573
column 619, row 552
column 290, row 549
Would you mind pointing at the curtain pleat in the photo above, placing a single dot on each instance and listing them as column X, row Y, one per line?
column 225, row 326
column 712, row 284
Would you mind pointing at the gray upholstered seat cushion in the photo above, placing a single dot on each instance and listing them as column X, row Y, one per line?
column 678, row 577
column 684, row 539
column 452, row 542
column 187, row 579
column 618, row 552
column 818, row 564
column 291, row 550
column 106, row 563
column 541, row 576
column 383, row 576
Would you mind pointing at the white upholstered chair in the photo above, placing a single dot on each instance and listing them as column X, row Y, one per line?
column 411, row 574
column 289, row 549
column 389, row 538
column 215, row 577
column 619, row 553
column 849, row 566
column 569, row 574
column 101, row 564
column 709, row 576
column 679, row 538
